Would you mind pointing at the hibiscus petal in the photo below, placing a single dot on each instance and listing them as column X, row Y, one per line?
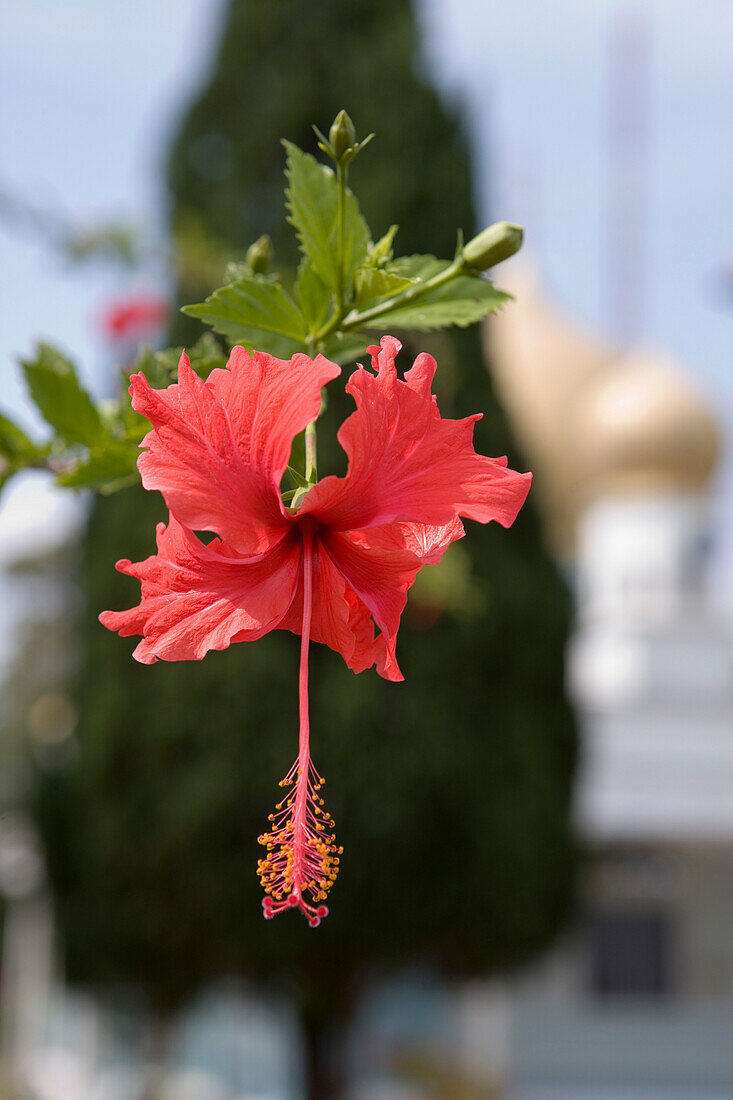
column 197, row 598
column 406, row 462
column 385, row 559
column 340, row 619
column 379, row 569
column 218, row 449
column 427, row 542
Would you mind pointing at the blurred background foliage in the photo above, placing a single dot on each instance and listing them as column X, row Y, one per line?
column 451, row 791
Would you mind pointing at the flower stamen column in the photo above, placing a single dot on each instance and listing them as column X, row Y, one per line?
column 302, row 856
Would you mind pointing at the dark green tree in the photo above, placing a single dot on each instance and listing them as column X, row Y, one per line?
column 451, row 791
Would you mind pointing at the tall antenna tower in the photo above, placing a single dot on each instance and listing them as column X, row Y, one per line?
column 628, row 120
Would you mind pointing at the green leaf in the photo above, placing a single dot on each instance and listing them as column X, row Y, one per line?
column 312, row 201
column 313, row 295
column 105, row 470
column 461, row 302
column 345, row 349
column 373, row 283
column 297, row 451
column 55, row 388
column 257, row 313
column 205, row 356
column 300, row 481
column 240, row 269
column 157, row 366
column 14, row 443
column 161, row 367
column 381, row 251
column 418, row 267
column 236, row 270
column 17, row 450
column 118, row 416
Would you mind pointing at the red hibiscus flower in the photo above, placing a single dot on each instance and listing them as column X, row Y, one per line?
column 335, row 570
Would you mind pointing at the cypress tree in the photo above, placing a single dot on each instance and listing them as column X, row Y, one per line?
column 451, row 791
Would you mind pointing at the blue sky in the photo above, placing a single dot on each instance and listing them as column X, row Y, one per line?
column 91, row 89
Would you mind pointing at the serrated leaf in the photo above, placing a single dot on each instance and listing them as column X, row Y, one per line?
column 373, row 283
column 381, row 251
column 57, row 392
column 312, row 201
column 14, row 443
column 254, row 312
column 462, row 301
column 313, row 295
column 160, row 367
column 105, row 470
column 420, row 266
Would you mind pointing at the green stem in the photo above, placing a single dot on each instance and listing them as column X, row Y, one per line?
column 311, row 451
column 331, row 325
column 344, row 322
column 311, row 454
column 356, row 320
column 341, row 173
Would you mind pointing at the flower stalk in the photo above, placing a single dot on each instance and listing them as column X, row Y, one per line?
column 341, row 179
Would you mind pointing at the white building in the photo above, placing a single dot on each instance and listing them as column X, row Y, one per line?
column 639, row 1001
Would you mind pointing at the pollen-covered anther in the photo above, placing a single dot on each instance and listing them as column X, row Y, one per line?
column 302, row 856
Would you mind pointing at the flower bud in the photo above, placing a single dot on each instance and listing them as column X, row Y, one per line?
column 342, row 134
column 492, row 245
column 259, row 255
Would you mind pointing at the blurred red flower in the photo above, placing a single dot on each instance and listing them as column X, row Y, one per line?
column 134, row 318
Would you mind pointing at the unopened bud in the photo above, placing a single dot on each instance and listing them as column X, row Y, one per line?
column 342, row 134
column 259, row 255
column 492, row 245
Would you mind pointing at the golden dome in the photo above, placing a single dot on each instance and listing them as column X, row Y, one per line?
column 588, row 421
column 542, row 366
column 643, row 428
